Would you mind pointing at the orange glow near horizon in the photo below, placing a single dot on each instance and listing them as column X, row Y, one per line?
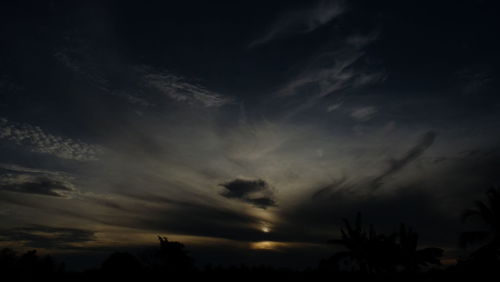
column 267, row 245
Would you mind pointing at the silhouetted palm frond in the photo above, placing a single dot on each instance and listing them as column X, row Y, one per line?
column 489, row 213
column 374, row 252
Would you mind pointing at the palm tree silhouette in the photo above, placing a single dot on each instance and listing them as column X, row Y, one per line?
column 354, row 240
column 412, row 258
column 366, row 249
column 375, row 253
column 489, row 213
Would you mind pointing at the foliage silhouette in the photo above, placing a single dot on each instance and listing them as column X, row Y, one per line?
column 170, row 257
column 363, row 247
column 487, row 255
column 370, row 252
column 121, row 264
column 412, row 258
column 28, row 266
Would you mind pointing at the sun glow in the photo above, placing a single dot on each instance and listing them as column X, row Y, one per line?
column 265, row 245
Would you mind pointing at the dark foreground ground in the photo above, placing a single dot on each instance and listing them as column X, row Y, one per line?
column 178, row 267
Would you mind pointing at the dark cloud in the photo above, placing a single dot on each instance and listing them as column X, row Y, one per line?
column 240, row 188
column 206, row 222
column 40, row 185
column 191, row 218
column 160, row 214
column 28, row 180
column 262, row 202
column 396, row 165
column 39, row 236
column 256, row 192
column 325, row 190
column 425, row 142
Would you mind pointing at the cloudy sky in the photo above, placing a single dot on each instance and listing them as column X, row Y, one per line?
column 244, row 129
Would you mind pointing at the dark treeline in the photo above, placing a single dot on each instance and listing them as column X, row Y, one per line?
column 366, row 256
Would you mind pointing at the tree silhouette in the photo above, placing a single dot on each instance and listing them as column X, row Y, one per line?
column 354, row 240
column 8, row 259
column 170, row 257
column 376, row 253
column 412, row 258
column 27, row 266
column 121, row 264
column 489, row 213
column 366, row 249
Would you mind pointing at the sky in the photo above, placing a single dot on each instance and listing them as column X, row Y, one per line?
column 244, row 129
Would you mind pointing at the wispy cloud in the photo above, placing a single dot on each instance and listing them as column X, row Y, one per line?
column 301, row 21
column 177, row 88
column 77, row 60
column 323, row 80
column 332, row 72
column 337, row 66
column 474, row 81
column 334, row 107
column 363, row 113
column 360, row 40
column 138, row 85
column 336, row 69
column 42, row 142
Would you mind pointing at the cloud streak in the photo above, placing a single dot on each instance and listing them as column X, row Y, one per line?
column 39, row 236
column 40, row 186
column 396, row 165
column 301, row 21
